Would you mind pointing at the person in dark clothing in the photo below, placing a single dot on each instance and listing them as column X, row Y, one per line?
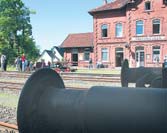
column 49, row 64
column 90, row 63
column 5, row 64
column 20, row 65
column 3, row 58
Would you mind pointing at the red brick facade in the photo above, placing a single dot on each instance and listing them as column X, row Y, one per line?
column 78, row 49
column 146, row 49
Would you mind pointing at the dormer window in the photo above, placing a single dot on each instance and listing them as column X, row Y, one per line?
column 148, row 6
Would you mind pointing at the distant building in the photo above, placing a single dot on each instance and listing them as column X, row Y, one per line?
column 53, row 55
column 78, row 49
column 132, row 29
column 58, row 53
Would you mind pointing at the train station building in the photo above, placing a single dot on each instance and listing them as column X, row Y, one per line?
column 123, row 29
column 132, row 29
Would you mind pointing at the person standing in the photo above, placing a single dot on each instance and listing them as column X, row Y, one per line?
column 5, row 63
column 17, row 63
column 165, row 62
column 23, row 58
column 90, row 63
column 49, row 64
column 20, row 65
column 31, row 65
column 2, row 61
column 43, row 64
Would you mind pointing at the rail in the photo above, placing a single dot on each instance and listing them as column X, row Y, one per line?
column 11, row 128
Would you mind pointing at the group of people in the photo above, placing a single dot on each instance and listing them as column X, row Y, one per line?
column 3, row 62
column 98, row 64
column 22, row 64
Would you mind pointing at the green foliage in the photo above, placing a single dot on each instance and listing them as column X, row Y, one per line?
column 11, row 54
column 16, row 30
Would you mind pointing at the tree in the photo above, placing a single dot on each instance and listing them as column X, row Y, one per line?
column 16, row 30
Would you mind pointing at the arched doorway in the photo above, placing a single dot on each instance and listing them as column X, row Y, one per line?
column 140, row 57
column 119, row 56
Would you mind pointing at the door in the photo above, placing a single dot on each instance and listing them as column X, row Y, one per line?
column 74, row 59
column 139, row 58
column 119, row 57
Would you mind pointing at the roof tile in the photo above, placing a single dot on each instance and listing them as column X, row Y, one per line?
column 78, row 40
column 117, row 4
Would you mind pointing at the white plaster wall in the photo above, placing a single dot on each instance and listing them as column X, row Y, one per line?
column 45, row 57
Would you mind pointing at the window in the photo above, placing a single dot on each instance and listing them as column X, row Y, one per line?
column 104, row 30
column 86, row 55
column 104, row 54
column 156, row 53
column 119, row 30
column 156, row 26
column 147, row 5
column 139, row 27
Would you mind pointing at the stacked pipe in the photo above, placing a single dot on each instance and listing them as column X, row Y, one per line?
column 141, row 76
column 46, row 106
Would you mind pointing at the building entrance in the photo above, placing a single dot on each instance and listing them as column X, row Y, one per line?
column 74, row 59
column 140, row 56
column 119, row 57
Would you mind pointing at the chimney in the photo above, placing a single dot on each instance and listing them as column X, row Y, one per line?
column 105, row 2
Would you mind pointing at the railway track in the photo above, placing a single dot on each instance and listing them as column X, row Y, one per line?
column 14, row 74
column 92, row 79
column 11, row 85
column 18, row 86
column 8, row 128
column 70, row 76
column 26, row 75
column 16, row 80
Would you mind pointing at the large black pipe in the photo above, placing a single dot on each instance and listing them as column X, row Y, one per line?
column 45, row 106
column 164, row 75
column 141, row 76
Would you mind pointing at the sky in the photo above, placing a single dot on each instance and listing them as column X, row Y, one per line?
column 55, row 19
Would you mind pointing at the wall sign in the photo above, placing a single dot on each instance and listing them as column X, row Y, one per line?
column 148, row 38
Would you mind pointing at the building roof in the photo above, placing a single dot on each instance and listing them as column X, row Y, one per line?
column 50, row 53
column 78, row 40
column 117, row 4
column 59, row 49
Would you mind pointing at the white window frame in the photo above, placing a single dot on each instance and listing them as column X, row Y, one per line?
column 102, row 35
column 145, row 6
column 153, row 27
column 86, row 52
column 136, row 28
column 107, row 51
column 156, row 56
column 116, row 29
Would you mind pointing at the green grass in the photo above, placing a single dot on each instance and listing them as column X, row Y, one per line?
column 99, row 71
column 9, row 100
column 11, row 68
